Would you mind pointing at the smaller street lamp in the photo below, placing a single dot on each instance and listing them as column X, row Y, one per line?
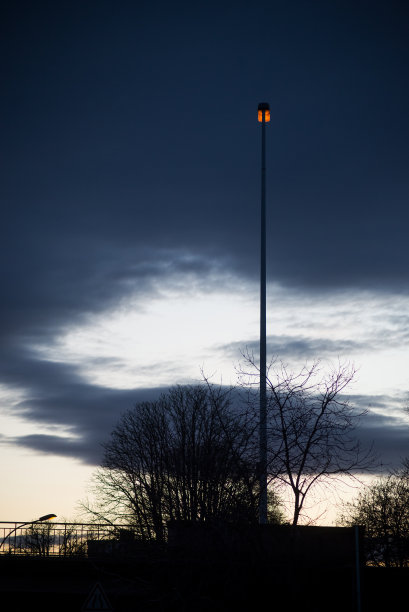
column 46, row 517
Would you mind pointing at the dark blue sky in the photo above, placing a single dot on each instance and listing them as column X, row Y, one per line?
column 130, row 152
column 131, row 124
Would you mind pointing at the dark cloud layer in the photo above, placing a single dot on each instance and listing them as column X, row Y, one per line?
column 130, row 155
column 385, row 428
column 88, row 414
column 137, row 126
column 297, row 348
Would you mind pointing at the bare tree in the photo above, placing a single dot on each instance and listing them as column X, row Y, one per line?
column 383, row 509
column 311, row 428
column 39, row 539
column 183, row 457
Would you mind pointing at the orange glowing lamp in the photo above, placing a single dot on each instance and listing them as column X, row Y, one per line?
column 263, row 112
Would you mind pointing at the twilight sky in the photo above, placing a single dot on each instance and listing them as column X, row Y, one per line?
column 130, row 188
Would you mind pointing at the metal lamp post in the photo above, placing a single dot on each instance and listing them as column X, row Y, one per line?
column 263, row 118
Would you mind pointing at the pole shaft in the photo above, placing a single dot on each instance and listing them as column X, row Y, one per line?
column 263, row 340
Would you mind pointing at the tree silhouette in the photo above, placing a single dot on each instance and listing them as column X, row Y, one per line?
column 383, row 509
column 186, row 456
column 311, row 428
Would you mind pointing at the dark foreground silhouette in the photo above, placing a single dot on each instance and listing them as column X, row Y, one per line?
column 225, row 571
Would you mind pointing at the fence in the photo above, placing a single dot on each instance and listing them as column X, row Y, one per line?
column 59, row 539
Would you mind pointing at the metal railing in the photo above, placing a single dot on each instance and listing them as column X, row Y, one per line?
column 60, row 539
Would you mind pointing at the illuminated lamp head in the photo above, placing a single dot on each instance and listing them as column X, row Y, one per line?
column 263, row 112
column 47, row 517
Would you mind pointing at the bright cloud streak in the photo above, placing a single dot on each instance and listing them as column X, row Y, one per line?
column 167, row 339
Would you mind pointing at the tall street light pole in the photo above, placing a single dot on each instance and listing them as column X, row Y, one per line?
column 263, row 117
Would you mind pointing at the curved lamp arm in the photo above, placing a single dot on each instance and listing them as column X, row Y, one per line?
column 46, row 517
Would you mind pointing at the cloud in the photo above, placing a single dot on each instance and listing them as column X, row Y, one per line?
column 54, row 394
column 329, row 326
column 59, row 445
column 387, row 428
column 81, row 416
column 296, row 347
